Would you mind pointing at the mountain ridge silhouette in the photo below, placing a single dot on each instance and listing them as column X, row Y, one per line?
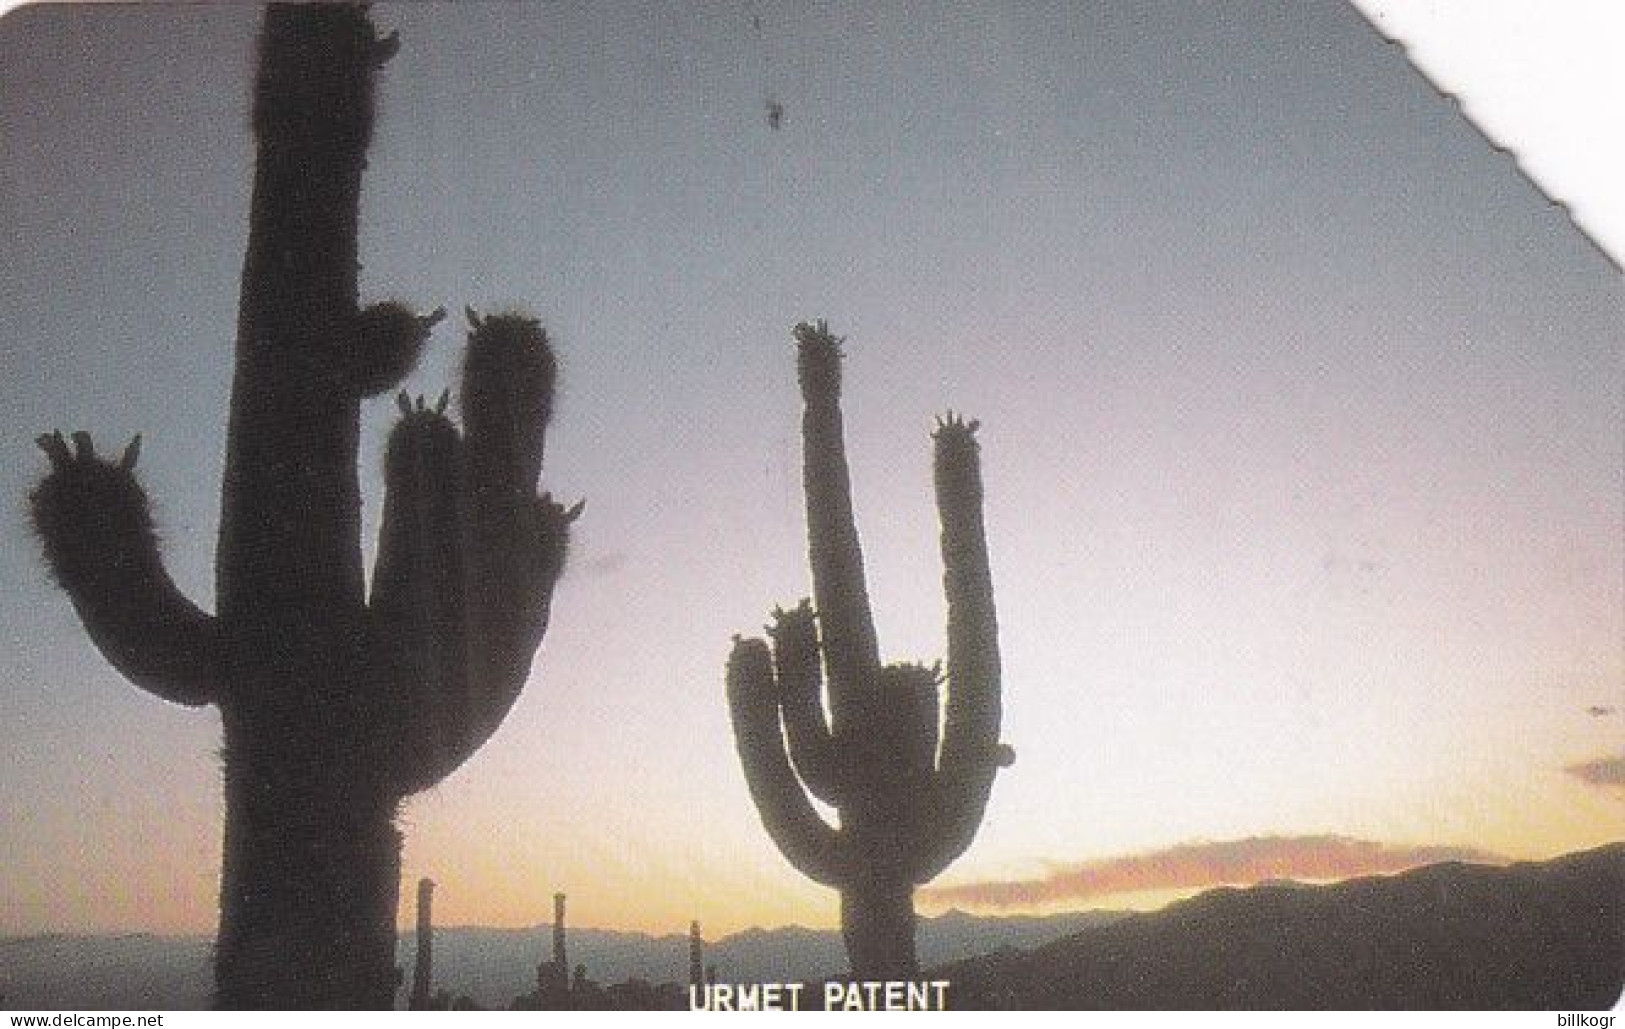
column 140, row 970
column 1546, row 935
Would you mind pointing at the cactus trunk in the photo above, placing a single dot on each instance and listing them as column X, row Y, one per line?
column 308, row 895
column 907, row 806
column 877, row 925
column 335, row 705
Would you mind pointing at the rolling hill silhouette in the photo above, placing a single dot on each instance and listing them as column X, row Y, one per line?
column 1548, row 935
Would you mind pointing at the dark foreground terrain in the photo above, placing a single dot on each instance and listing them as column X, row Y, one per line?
column 1542, row 936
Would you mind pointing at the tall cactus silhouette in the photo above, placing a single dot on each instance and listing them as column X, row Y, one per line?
column 910, row 797
column 335, row 704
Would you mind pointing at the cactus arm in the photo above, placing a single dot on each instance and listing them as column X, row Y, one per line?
column 507, row 401
column 93, row 519
column 417, row 607
column 470, row 706
column 788, row 815
column 469, row 555
column 800, row 679
column 518, row 541
column 840, row 593
column 971, row 753
column 503, row 639
column 385, row 340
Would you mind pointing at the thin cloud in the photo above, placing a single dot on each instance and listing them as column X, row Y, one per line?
column 1201, row 865
column 1602, row 771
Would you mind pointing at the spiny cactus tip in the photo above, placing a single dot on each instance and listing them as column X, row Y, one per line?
column 786, row 616
column 569, row 514
column 385, row 48
column 807, row 333
column 55, row 447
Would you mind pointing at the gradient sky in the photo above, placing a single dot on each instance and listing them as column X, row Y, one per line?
column 1301, row 431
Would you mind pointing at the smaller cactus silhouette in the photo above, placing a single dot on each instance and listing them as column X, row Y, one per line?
column 910, row 796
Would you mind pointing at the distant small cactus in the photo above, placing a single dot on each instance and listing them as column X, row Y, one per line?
column 696, row 956
column 422, row 996
column 910, row 801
